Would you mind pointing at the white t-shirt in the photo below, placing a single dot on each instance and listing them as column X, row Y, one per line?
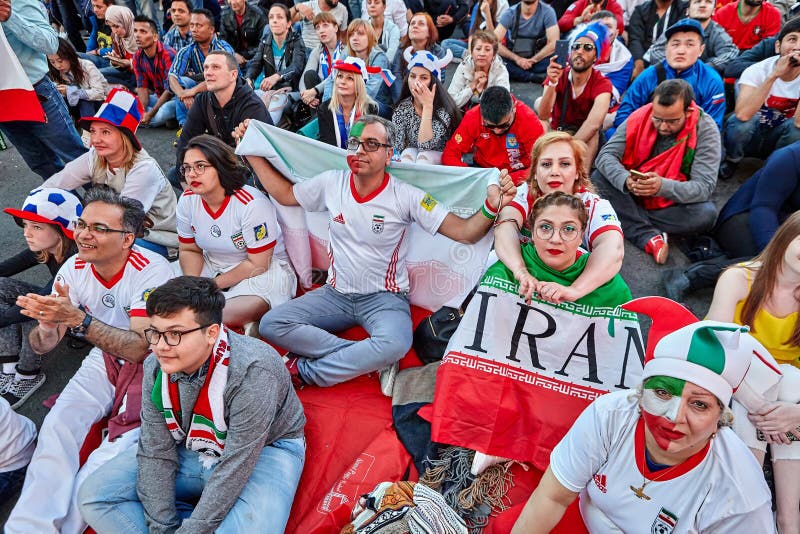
column 721, row 489
column 782, row 100
column 245, row 224
column 115, row 301
column 369, row 236
column 602, row 217
column 395, row 11
column 17, row 438
column 309, row 34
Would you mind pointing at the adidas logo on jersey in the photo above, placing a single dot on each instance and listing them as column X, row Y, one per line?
column 600, row 482
column 339, row 219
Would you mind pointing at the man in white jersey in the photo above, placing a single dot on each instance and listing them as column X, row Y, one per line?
column 99, row 295
column 371, row 214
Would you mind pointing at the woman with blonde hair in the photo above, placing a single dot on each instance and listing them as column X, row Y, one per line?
column 123, row 46
column 349, row 101
column 557, row 164
column 764, row 294
column 118, row 161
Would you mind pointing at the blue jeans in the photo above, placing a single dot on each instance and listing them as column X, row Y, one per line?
column 109, row 503
column 46, row 146
column 456, row 46
column 99, row 61
column 114, row 76
column 180, row 108
column 11, row 482
column 753, row 139
column 164, row 113
column 304, row 325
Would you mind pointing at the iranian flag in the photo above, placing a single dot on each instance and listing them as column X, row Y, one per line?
column 441, row 272
column 516, row 376
column 16, row 92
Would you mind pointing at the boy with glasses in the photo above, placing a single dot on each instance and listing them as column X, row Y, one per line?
column 221, row 427
column 99, row 295
column 500, row 133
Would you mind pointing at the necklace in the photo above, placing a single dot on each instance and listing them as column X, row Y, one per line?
column 639, row 492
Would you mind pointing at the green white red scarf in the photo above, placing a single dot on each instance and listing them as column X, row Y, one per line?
column 208, row 429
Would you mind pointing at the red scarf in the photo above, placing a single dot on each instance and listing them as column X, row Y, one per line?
column 672, row 164
column 126, row 378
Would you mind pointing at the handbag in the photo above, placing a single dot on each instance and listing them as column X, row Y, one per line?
column 432, row 334
column 525, row 47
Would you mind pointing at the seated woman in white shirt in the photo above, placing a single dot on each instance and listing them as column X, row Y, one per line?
column 481, row 68
column 229, row 231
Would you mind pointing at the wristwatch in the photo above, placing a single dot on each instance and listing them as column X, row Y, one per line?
column 79, row 331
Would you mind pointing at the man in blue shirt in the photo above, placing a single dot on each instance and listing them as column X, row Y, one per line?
column 532, row 31
column 684, row 47
column 45, row 146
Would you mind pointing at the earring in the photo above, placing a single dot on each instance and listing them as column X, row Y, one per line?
column 714, row 435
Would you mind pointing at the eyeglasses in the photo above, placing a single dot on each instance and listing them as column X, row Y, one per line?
column 97, row 228
column 171, row 337
column 546, row 231
column 669, row 122
column 370, row 145
column 587, row 47
column 198, row 168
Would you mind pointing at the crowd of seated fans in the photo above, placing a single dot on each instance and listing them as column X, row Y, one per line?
column 639, row 108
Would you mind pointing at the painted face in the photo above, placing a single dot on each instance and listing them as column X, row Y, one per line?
column 375, row 8
column 106, row 139
column 679, row 416
column 556, row 169
column 180, row 14
column 358, row 40
column 201, row 182
column 40, row 236
column 58, row 63
column 278, row 24
column 482, row 54
column 683, row 50
column 557, row 236
column 369, row 163
column 194, row 347
column 144, row 34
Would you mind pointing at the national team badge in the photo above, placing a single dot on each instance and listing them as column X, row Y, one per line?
column 146, row 293
column 428, row 202
column 600, row 482
column 459, row 138
column 260, row 231
column 377, row 224
column 238, row 241
column 215, row 231
column 108, row 300
column 664, row 523
column 511, row 141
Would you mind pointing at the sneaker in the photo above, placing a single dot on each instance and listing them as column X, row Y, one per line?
column 294, row 371
column 658, row 248
column 387, row 377
column 18, row 391
column 5, row 380
column 675, row 283
column 727, row 169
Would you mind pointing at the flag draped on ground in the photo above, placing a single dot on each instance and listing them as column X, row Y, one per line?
column 441, row 271
column 516, row 376
column 19, row 100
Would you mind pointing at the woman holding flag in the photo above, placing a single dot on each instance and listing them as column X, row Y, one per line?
column 557, row 164
column 663, row 456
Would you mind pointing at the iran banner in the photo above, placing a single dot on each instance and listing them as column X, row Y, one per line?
column 441, row 271
column 516, row 376
column 20, row 102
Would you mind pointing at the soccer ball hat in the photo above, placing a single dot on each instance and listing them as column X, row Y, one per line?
column 712, row 354
column 121, row 109
column 50, row 206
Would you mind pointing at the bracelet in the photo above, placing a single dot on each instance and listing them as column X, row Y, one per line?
column 498, row 223
column 488, row 211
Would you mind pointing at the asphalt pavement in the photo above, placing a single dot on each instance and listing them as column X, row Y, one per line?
column 16, row 180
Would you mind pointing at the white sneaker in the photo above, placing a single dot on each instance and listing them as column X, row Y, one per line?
column 387, row 377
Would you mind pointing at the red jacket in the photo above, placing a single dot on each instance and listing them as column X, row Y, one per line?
column 567, row 21
column 510, row 151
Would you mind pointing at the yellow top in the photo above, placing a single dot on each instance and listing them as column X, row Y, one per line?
column 773, row 332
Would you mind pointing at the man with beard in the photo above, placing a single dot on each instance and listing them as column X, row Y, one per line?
column 684, row 47
column 660, row 169
column 186, row 74
column 576, row 98
column 179, row 35
column 766, row 118
column 306, row 11
column 530, row 29
column 719, row 48
column 748, row 22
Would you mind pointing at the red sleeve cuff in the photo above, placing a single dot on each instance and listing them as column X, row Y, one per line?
column 602, row 230
column 517, row 207
column 138, row 313
column 186, row 239
column 261, row 249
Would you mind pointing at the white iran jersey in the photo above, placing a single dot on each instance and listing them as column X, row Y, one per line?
column 246, row 223
column 115, row 301
column 369, row 236
column 602, row 216
column 720, row 489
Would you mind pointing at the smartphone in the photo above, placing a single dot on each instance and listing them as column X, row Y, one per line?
column 562, row 52
column 638, row 175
